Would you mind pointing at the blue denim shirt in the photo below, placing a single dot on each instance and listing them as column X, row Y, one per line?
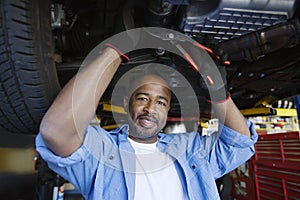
column 103, row 167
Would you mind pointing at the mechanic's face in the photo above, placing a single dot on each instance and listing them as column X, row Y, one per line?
column 148, row 109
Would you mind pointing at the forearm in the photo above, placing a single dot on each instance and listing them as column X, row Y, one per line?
column 64, row 124
column 230, row 115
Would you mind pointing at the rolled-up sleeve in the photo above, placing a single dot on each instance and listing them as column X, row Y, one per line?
column 80, row 167
column 232, row 149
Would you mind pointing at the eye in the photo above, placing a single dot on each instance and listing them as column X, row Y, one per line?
column 162, row 103
column 144, row 99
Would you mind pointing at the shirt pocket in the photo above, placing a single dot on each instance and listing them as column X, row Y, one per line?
column 110, row 182
column 200, row 178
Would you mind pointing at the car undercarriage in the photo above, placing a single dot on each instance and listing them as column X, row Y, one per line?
column 260, row 38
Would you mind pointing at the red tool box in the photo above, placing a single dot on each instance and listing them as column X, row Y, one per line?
column 273, row 172
column 276, row 166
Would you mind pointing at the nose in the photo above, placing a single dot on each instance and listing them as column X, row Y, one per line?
column 149, row 107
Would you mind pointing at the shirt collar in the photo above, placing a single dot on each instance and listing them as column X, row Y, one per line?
column 172, row 144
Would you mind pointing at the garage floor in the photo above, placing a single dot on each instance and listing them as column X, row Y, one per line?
column 17, row 186
column 18, row 178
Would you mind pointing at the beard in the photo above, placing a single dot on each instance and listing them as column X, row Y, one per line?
column 139, row 129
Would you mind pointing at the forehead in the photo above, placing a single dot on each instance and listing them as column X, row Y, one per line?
column 147, row 80
column 152, row 89
column 152, row 86
column 150, row 79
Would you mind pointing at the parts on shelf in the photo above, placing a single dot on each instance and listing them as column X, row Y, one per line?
column 269, row 111
column 272, row 120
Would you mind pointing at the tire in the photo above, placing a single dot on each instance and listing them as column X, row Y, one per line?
column 28, row 76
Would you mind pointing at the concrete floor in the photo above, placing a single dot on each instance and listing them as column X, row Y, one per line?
column 18, row 178
column 18, row 186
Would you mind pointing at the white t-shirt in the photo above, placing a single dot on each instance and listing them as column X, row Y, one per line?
column 156, row 175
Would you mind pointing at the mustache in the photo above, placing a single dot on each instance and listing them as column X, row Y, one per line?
column 148, row 116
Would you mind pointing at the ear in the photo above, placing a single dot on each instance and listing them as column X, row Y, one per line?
column 126, row 103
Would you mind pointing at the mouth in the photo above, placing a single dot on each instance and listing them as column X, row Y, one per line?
column 147, row 122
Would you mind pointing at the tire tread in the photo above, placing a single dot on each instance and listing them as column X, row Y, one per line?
column 27, row 72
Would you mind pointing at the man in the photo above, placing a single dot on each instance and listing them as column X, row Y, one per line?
column 136, row 161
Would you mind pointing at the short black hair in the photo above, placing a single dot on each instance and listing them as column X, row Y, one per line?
column 138, row 72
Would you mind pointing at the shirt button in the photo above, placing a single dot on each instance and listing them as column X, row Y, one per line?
column 61, row 165
column 193, row 166
column 111, row 157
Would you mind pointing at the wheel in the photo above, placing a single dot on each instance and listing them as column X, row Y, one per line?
column 28, row 76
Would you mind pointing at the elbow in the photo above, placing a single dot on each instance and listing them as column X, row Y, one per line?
column 247, row 133
column 48, row 133
column 59, row 140
column 53, row 133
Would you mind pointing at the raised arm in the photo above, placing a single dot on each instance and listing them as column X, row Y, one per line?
column 64, row 124
column 230, row 115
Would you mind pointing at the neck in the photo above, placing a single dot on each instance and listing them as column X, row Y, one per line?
column 150, row 140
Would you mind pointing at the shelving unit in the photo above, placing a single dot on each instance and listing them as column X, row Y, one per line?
column 273, row 120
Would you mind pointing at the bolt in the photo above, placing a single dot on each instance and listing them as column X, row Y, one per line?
column 171, row 35
column 165, row 5
column 160, row 51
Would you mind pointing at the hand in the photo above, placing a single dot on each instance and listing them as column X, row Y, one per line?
column 123, row 43
column 212, row 69
column 201, row 58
